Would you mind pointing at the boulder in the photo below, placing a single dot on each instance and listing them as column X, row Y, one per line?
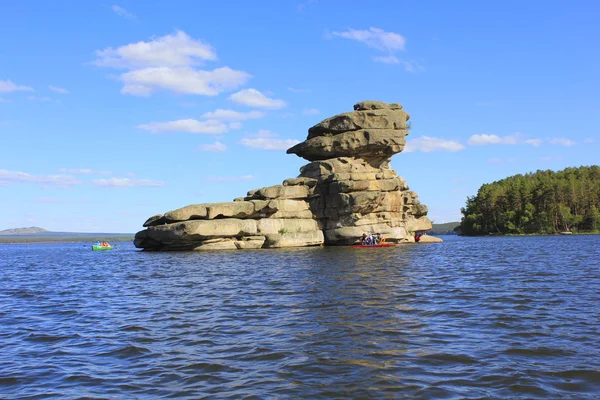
column 295, row 239
column 235, row 209
column 374, row 119
column 280, row 192
column 371, row 143
column 194, row 211
column 347, row 189
column 199, row 230
column 421, row 224
column 300, row 181
column 376, row 105
column 154, row 220
column 216, row 244
column 282, row 226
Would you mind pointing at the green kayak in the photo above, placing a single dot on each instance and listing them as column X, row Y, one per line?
column 96, row 247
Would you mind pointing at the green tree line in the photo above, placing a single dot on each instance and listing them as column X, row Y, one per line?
column 541, row 202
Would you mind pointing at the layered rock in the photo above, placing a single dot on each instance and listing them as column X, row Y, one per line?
column 346, row 190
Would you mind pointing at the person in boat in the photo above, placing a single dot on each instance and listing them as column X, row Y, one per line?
column 378, row 238
column 418, row 236
column 370, row 240
column 363, row 239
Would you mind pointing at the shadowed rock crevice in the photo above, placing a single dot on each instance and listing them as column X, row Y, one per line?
column 347, row 189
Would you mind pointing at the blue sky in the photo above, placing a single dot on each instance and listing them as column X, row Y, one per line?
column 113, row 112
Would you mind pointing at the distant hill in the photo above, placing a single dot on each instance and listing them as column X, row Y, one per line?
column 40, row 235
column 23, row 231
column 444, row 229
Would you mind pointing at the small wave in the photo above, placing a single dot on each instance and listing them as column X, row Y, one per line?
column 133, row 328
column 206, row 367
column 589, row 375
column 538, row 351
column 447, row 358
column 127, row 352
column 528, row 389
column 42, row 338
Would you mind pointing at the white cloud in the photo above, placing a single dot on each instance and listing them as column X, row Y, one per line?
column 389, row 43
column 141, row 82
column 168, row 62
column 562, row 142
column 8, row 86
column 485, row 139
column 254, row 98
column 229, row 178
column 186, row 125
column 127, row 182
column 58, row 89
column 15, row 177
column 533, row 142
column 428, row 144
column 299, row 90
column 375, row 38
column 121, row 12
column 231, row 115
column 310, row 111
column 176, row 50
column 266, row 140
column 235, row 125
column 387, row 59
column 83, row 171
column 588, row 140
column 215, row 147
column 501, row 160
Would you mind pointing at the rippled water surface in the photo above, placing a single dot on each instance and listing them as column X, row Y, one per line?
column 469, row 318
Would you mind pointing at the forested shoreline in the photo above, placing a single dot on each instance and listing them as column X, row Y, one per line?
column 544, row 202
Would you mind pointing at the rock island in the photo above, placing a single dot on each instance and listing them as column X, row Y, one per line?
column 347, row 189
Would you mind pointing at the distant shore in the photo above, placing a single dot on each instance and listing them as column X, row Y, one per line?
column 88, row 238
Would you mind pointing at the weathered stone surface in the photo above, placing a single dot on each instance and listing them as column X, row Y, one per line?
column 195, row 230
column 250, row 242
column 157, row 219
column 348, row 189
column 216, row 244
column 375, row 143
column 383, row 185
column 300, row 181
column 419, row 210
column 376, row 105
column 303, row 214
column 295, row 239
column 421, row 224
column 342, row 168
column 270, row 226
column 236, row 209
column 364, row 119
column 430, row 239
column 194, row 211
column 280, row 192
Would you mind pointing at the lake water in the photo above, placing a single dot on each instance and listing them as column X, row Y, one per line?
column 514, row 317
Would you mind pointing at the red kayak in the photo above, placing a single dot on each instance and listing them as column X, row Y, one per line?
column 366, row 246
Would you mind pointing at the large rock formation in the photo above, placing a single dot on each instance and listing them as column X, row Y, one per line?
column 348, row 189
